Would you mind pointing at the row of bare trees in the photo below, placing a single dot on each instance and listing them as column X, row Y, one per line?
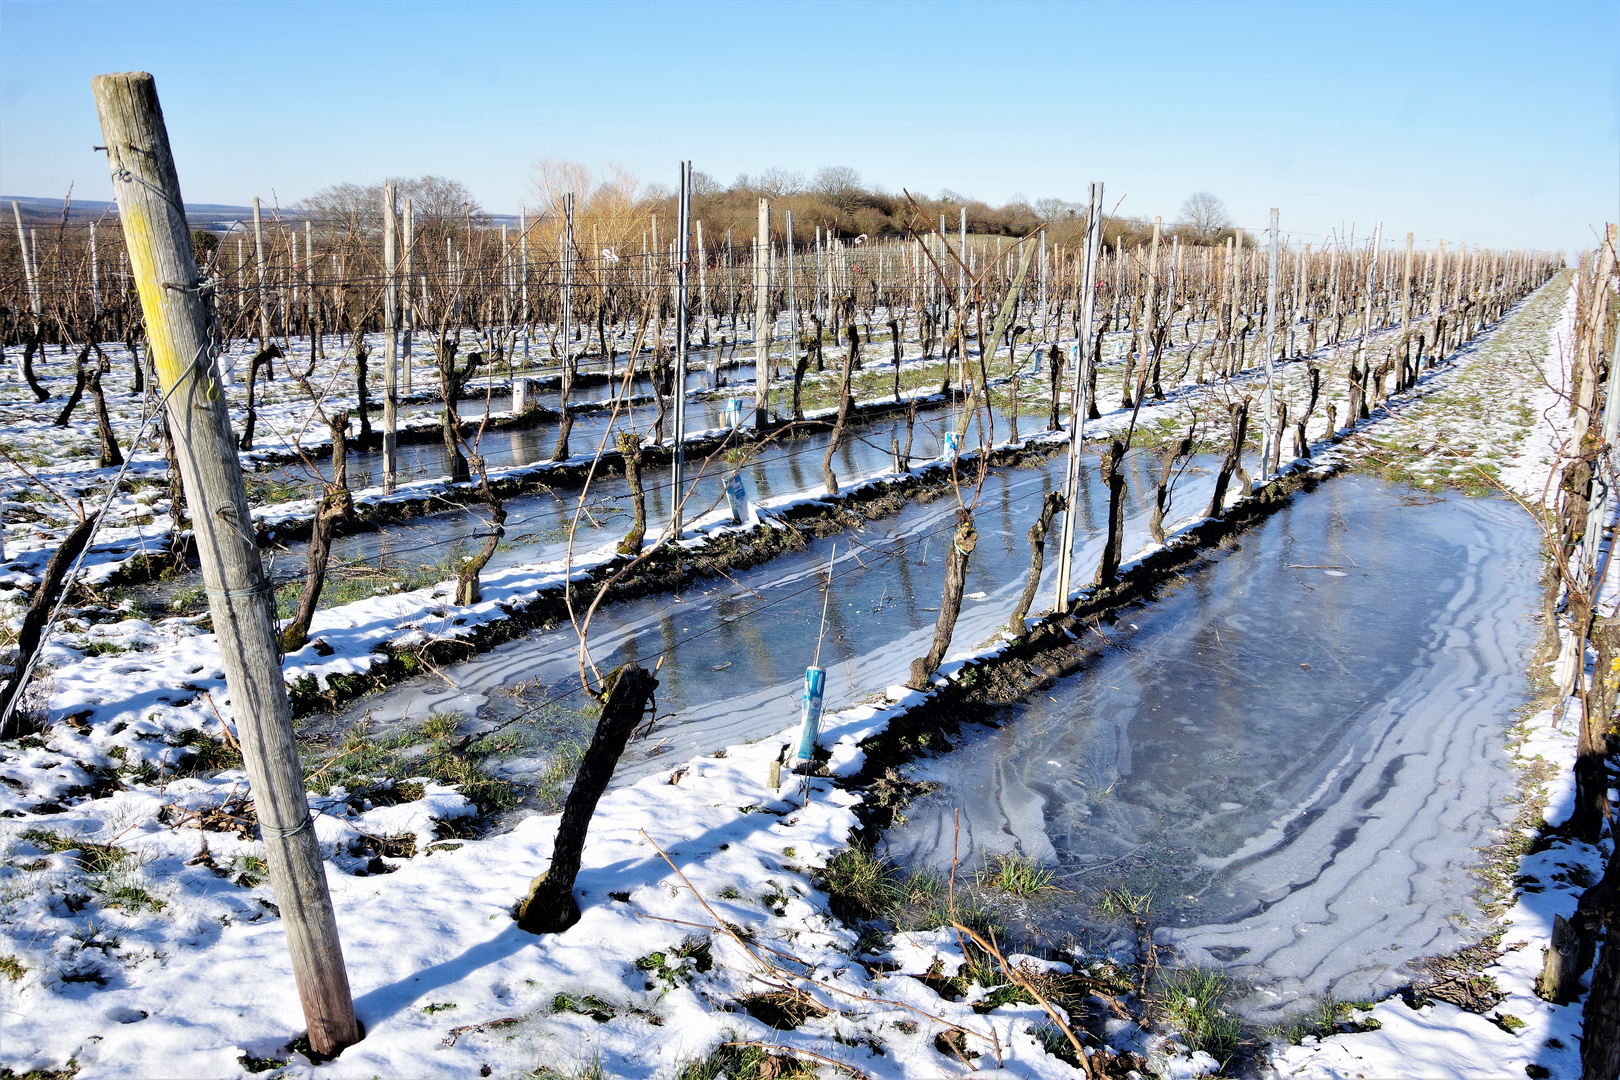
column 1581, row 623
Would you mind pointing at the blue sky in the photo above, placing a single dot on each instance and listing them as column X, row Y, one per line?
column 1490, row 123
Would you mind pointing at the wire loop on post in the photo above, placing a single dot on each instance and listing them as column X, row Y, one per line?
column 274, row 833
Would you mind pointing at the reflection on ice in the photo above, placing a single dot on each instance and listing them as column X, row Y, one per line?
column 1296, row 753
column 734, row 647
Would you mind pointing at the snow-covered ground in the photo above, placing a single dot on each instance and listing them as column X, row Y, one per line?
column 137, row 943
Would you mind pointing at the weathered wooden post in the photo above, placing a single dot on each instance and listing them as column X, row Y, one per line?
column 390, row 346
column 793, row 304
column 762, row 308
column 258, row 263
column 1406, row 319
column 1271, row 343
column 95, row 283
column 1077, row 396
column 239, row 594
column 565, row 260
column 683, row 253
column 523, row 278
column 407, row 316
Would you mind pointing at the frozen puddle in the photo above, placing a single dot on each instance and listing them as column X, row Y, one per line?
column 734, row 647
column 1297, row 752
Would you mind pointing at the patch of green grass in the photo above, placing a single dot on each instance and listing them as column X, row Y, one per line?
column 438, row 1007
column 66, row 1072
column 253, row 1064
column 263, row 490
column 744, row 1063
column 859, row 884
column 1326, row 1017
column 1015, row 874
column 1121, row 903
column 1191, row 1001
column 191, row 600
column 584, row 1068
column 552, row 782
column 357, row 579
column 1054, row 1042
column 440, row 724
column 104, row 648
column 1507, row 1022
column 123, row 890
column 94, row 934
column 211, row 755
column 677, row 965
column 93, row 857
column 936, row 912
column 590, row 1005
column 11, row 968
column 247, row 870
column 362, row 758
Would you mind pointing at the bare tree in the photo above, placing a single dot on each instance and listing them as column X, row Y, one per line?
column 1204, row 217
column 437, row 202
column 839, row 185
column 776, row 183
column 1055, row 209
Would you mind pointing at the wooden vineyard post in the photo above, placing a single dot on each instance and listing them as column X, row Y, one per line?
column 523, row 276
column 565, row 268
column 406, row 313
column 1271, row 344
column 762, row 308
column 1077, row 396
column 963, row 377
column 390, row 345
column 1406, row 316
column 683, row 228
column 239, row 595
column 792, row 302
column 703, row 284
column 258, row 263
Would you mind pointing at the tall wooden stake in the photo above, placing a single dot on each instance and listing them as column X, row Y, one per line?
column 239, row 595
column 762, row 310
column 258, row 262
column 1271, row 347
column 683, row 254
column 523, row 280
column 407, row 315
column 390, row 345
column 793, row 304
column 1406, row 312
column 95, row 277
column 1078, row 405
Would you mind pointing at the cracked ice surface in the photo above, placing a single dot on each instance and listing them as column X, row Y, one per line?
column 1298, row 752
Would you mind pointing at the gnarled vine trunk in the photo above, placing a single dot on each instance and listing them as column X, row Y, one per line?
column 336, row 504
column 963, row 541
